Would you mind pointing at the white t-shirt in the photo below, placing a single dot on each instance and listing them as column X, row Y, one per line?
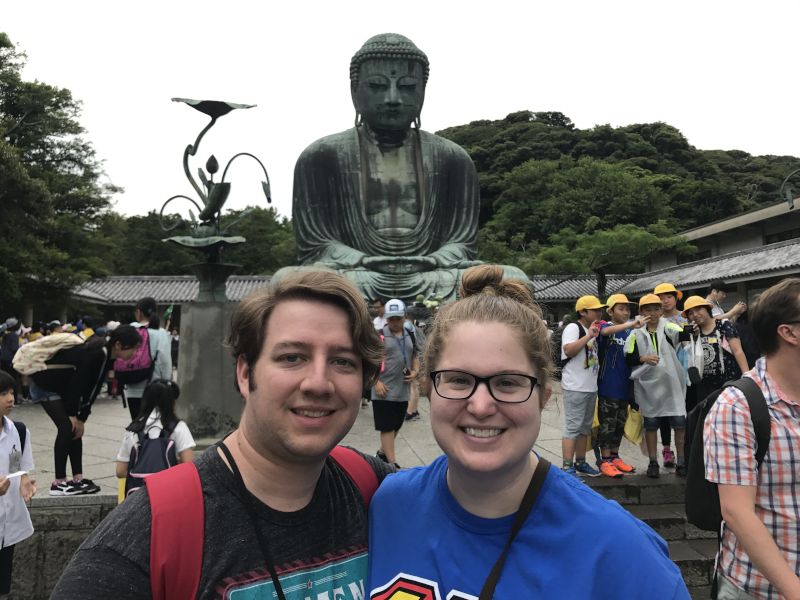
column 15, row 522
column 180, row 435
column 580, row 372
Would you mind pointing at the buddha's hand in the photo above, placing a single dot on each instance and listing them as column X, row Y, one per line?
column 399, row 265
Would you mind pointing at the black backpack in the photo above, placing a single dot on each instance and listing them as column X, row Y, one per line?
column 148, row 456
column 702, row 496
column 555, row 347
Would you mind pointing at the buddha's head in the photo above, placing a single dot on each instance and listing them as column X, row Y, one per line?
column 388, row 75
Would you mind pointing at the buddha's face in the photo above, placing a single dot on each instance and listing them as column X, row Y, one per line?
column 390, row 93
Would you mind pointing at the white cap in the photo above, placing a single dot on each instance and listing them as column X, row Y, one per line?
column 394, row 308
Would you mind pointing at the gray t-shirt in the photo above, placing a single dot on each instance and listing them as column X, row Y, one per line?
column 399, row 354
column 323, row 544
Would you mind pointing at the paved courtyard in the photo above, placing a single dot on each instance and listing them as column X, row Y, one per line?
column 415, row 443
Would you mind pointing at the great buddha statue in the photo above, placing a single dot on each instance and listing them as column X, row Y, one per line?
column 392, row 207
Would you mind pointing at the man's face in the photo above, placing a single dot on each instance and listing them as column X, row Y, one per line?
column 668, row 302
column 719, row 296
column 395, row 324
column 377, row 308
column 303, row 393
column 390, row 93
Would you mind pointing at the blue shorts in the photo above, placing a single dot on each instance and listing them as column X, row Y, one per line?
column 675, row 422
column 39, row 394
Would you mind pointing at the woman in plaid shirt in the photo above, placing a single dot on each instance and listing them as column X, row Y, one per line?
column 760, row 554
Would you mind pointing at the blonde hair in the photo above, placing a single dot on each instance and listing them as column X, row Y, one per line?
column 485, row 297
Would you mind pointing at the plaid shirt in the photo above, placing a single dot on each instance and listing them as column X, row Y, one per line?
column 730, row 442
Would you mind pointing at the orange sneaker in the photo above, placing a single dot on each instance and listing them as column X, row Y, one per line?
column 621, row 465
column 609, row 470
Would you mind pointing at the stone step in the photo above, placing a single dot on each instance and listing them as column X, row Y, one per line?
column 669, row 521
column 640, row 489
column 695, row 558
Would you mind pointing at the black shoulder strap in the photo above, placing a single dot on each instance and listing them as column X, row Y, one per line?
column 528, row 500
column 759, row 414
column 23, row 434
column 413, row 340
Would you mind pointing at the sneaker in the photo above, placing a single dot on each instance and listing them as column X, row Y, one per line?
column 622, row 466
column 652, row 469
column 680, row 470
column 86, row 486
column 64, row 488
column 382, row 455
column 669, row 457
column 409, row 417
column 570, row 470
column 364, row 403
column 608, row 469
column 584, row 468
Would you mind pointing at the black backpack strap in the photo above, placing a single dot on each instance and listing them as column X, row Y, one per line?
column 759, row 414
column 23, row 434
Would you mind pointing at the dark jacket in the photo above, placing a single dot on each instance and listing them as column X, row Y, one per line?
column 77, row 376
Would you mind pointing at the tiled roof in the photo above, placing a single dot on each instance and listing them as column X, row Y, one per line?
column 764, row 261
column 568, row 288
column 168, row 289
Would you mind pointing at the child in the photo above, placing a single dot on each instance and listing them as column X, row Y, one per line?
column 659, row 380
column 157, row 413
column 613, row 384
column 14, row 491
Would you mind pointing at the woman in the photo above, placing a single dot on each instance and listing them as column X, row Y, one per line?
column 488, row 358
column 717, row 342
column 157, row 415
column 67, row 391
column 146, row 315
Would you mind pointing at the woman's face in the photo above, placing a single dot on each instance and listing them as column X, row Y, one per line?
column 479, row 434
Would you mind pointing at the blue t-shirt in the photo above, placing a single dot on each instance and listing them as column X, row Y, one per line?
column 564, row 549
column 614, row 377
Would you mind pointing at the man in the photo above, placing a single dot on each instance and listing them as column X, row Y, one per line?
column 391, row 392
column 579, row 383
column 304, row 348
column 717, row 292
column 758, row 556
column 376, row 310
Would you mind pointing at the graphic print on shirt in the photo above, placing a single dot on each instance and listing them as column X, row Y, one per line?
column 340, row 578
column 408, row 587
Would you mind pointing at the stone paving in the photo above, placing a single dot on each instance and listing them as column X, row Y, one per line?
column 415, row 443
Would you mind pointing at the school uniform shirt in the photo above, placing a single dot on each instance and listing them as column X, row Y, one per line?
column 180, row 435
column 15, row 522
column 579, row 374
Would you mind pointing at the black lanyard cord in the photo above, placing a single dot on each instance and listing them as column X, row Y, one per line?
column 251, row 511
column 528, row 500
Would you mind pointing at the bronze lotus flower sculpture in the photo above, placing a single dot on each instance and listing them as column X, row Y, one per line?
column 205, row 227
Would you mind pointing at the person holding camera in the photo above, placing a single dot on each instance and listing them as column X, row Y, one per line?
column 391, row 392
column 716, row 353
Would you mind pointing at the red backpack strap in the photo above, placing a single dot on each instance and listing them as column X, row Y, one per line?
column 177, row 532
column 358, row 469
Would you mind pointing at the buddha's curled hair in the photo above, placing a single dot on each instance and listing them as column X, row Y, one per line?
column 486, row 297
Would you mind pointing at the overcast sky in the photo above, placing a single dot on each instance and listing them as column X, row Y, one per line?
column 720, row 72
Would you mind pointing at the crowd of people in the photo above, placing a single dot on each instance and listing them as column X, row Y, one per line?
column 276, row 504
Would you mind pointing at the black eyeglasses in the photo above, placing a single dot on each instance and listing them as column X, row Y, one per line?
column 503, row 387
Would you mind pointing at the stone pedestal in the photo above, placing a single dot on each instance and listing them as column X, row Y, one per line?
column 209, row 402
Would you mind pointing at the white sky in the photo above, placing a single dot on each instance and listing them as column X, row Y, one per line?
column 720, row 72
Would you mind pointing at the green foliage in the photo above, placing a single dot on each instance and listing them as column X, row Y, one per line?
column 270, row 241
column 539, row 175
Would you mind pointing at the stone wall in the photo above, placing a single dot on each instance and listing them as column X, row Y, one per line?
column 60, row 526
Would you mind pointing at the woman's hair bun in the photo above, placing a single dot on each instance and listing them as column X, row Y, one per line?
column 488, row 279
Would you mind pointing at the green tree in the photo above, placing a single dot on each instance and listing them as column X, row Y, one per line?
column 270, row 241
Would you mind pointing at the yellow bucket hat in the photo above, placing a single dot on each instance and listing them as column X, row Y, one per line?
column 649, row 299
column 614, row 299
column 694, row 302
column 588, row 303
column 666, row 288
